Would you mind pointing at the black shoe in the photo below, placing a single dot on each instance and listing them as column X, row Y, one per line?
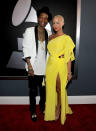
column 34, row 117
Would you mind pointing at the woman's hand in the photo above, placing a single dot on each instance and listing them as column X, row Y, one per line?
column 69, row 75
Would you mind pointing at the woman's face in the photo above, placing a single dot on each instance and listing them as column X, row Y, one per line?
column 43, row 19
column 57, row 24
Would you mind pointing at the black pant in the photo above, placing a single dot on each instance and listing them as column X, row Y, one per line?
column 34, row 82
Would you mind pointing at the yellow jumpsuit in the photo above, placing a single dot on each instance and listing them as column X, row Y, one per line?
column 58, row 46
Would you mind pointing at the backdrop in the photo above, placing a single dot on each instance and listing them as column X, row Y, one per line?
column 21, row 14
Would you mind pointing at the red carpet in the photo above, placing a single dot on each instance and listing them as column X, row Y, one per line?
column 17, row 118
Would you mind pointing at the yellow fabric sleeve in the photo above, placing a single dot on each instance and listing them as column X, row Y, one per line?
column 69, row 54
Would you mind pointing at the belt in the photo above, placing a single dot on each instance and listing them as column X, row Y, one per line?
column 61, row 56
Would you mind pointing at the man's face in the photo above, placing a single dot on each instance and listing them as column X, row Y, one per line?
column 43, row 19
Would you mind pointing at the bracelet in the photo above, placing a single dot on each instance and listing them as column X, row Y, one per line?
column 28, row 63
column 69, row 73
column 30, row 70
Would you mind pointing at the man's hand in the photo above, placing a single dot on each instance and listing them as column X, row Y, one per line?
column 30, row 69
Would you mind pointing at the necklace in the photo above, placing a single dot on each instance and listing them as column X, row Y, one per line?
column 41, row 37
column 42, row 45
column 41, row 34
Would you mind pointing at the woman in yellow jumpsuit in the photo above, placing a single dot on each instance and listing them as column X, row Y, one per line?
column 58, row 72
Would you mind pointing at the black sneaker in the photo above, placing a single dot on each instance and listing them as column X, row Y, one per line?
column 34, row 117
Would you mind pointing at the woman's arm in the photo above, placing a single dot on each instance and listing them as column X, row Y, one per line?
column 69, row 76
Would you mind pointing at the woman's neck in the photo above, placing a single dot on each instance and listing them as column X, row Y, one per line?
column 59, row 33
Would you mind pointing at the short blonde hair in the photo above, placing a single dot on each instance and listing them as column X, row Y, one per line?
column 60, row 16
